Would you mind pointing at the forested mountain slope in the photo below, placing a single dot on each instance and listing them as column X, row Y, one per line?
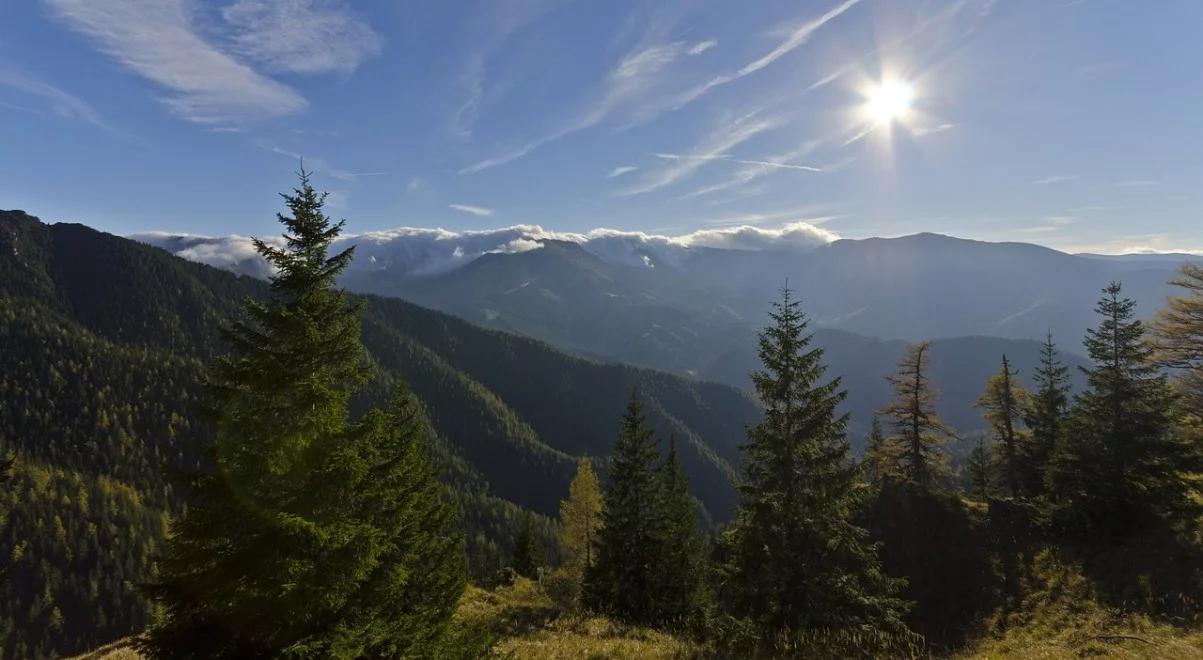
column 103, row 343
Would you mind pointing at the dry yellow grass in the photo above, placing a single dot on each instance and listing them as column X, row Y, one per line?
column 122, row 649
column 1061, row 617
column 595, row 637
column 528, row 625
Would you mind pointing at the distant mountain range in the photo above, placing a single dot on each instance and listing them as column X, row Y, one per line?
column 695, row 310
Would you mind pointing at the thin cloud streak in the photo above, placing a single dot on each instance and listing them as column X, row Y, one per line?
column 62, row 103
column 715, row 148
column 473, row 210
column 633, row 75
column 621, row 170
column 321, row 166
column 797, row 38
column 1053, row 179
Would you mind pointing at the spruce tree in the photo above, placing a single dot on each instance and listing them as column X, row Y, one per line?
column 881, row 456
column 682, row 581
column 1044, row 416
column 528, row 555
column 580, row 523
column 919, row 433
column 799, row 565
column 1123, row 468
column 1002, row 403
column 981, row 471
column 623, row 580
column 308, row 534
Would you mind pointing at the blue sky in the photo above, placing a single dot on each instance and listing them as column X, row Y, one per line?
column 1071, row 123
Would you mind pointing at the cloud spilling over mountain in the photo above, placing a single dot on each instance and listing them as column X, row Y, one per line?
column 410, row 251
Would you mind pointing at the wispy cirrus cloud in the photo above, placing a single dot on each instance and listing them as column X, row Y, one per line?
column 156, row 39
column 320, row 165
column 301, row 36
column 1056, row 178
column 796, row 38
column 472, row 210
column 490, row 32
column 929, row 130
column 713, row 147
column 634, row 75
column 756, row 169
column 59, row 102
column 621, row 170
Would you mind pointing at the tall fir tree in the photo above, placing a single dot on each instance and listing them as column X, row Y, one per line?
column 919, row 433
column 309, row 535
column 528, row 555
column 1044, row 416
column 1178, row 344
column 981, row 471
column 682, row 580
column 881, row 456
column 580, row 522
column 623, row 580
column 1123, row 468
column 1002, row 405
column 799, row 565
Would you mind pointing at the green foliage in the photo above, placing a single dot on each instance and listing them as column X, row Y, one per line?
column 623, row 580
column 1044, row 417
column 1123, row 468
column 943, row 549
column 881, row 456
column 102, row 346
column 798, row 563
column 307, row 534
column 682, row 581
column 90, row 423
column 919, row 433
column 528, row 555
column 981, row 468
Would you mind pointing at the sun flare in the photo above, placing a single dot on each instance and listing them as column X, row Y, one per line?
column 889, row 101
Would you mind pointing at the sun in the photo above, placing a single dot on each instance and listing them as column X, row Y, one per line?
column 889, row 101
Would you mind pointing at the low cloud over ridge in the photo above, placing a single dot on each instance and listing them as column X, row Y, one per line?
column 415, row 252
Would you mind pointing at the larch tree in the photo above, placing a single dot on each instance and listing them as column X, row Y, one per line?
column 1044, row 416
column 309, row 534
column 919, row 433
column 1123, row 467
column 622, row 581
column 1178, row 343
column 580, row 523
column 1002, row 405
column 799, row 565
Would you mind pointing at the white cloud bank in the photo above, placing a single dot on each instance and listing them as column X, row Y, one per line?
column 411, row 251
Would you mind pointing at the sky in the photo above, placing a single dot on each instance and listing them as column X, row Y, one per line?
column 1069, row 123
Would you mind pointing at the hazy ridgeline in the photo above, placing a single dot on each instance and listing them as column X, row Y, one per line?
column 241, row 469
